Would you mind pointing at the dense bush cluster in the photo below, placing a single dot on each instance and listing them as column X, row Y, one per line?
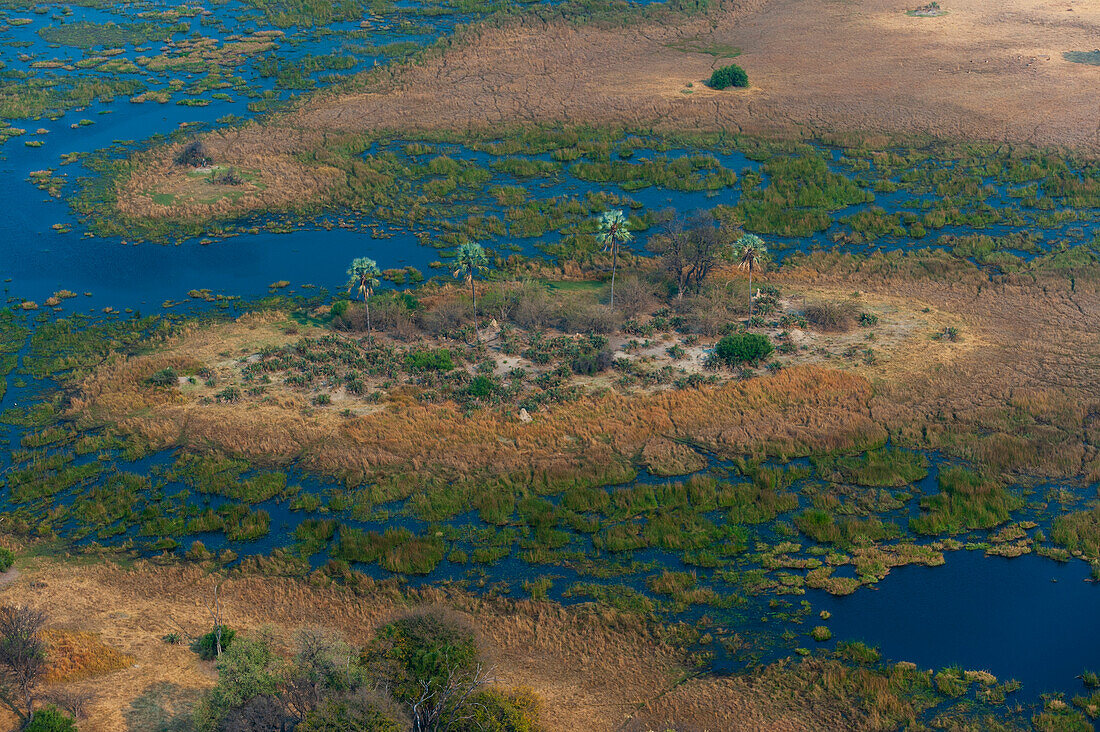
column 422, row 671
column 727, row 76
column 743, row 348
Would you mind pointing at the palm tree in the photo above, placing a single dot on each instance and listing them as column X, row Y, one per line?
column 751, row 255
column 363, row 273
column 613, row 232
column 470, row 259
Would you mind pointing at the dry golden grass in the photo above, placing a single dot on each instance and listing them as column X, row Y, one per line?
column 593, row 669
column 75, row 655
column 791, row 412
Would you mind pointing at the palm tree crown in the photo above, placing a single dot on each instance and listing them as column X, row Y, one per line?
column 613, row 232
column 751, row 255
column 470, row 259
column 363, row 273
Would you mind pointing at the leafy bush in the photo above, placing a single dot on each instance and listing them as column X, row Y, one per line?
column 6, row 559
column 437, row 360
column 207, row 645
column 498, row 711
column 727, row 76
column 422, row 648
column 164, row 377
column 742, row 348
column 339, row 308
column 592, row 362
column 51, row 719
column 350, row 715
column 481, row 386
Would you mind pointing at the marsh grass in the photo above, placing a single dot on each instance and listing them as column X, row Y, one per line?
column 966, row 501
column 882, row 467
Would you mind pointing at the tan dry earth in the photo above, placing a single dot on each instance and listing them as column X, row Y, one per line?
column 985, row 71
column 592, row 671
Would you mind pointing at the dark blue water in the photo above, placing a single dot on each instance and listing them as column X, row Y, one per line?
column 1027, row 618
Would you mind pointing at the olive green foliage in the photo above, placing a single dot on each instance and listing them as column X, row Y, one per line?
column 321, row 683
column 494, row 710
column 847, row 532
column 883, row 467
column 966, row 501
column 342, row 715
column 727, row 76
column 438, row 359
column 742, row 348
column 86, row 35
column 1079, row 531
column 422, row 648
column 50, row 719
column 6, row 559
column 206, row 645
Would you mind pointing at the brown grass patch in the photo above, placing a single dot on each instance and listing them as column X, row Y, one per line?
column 75, row 655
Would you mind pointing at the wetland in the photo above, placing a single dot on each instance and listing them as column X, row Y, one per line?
column 848, row 480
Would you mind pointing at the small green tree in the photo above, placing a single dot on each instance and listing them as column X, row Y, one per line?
column 50, row 719
column 743, row 348
column 613, row 233
column 727, row 76
column 363, row 273
column 470, row 260
column 751, row 256
column 6, row 559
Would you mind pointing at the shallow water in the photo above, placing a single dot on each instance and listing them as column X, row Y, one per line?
column 1028, row 618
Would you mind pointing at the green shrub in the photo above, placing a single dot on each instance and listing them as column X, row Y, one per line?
column 207, row 645
column 481, row 386
column 499, row 711
column 6, row 559
column 354, row 715
column 437, row 360
column 727, row 76
column 743, row 348
column 422, row 648
column 164, row 377
column 51, row 719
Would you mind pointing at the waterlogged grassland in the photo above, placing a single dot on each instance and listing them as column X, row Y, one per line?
column 538, row 188
column 259, row 51
column 735, row 548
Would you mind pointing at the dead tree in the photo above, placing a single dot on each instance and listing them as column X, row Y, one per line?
column 22, row 657
column 447, row 702
column 214, row 606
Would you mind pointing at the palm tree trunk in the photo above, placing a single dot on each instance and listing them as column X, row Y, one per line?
column 750, row 293
column 473, row 296
column 370, row 333
column 614, row 267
